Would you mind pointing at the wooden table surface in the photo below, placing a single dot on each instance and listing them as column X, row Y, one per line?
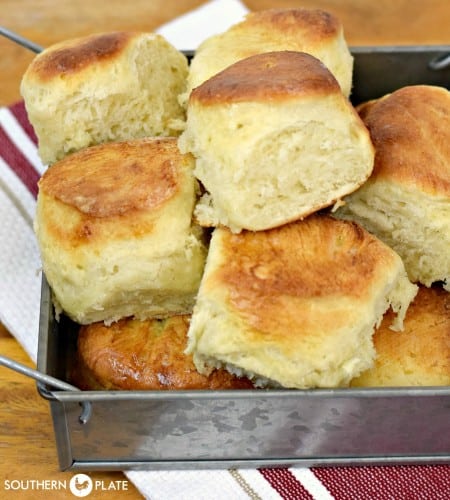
column 27, row 446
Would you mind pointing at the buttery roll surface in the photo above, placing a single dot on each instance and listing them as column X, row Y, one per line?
column 406, row 201
column 101, row 88
column 296, row 306
column 420, row 354
column 303, row 30
column 274, row 140
column 143, row 355
column 115, row 232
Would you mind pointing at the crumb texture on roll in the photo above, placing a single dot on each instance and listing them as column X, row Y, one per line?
column 420, row 354
column 313, row 31
column 101, row 88
column 406, row 201
column 274, row 140
column 296, row 306
column 143, row 355
column 112, row 249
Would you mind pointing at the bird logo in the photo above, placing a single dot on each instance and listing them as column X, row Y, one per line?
column 81, row 485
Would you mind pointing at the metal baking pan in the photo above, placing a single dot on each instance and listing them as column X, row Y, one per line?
column 126, row 430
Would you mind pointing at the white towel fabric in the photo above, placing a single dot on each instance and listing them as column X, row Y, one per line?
column 20, row 280
column 20, row 264
column 188, row 31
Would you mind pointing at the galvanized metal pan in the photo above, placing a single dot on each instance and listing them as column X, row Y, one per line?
column 124, row 430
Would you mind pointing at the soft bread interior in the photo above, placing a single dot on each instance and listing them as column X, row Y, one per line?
column 134, row 95
column 305, row 157
column 146, row 276
column 393, row 213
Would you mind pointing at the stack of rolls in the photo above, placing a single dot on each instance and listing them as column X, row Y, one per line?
column 406, row 203
column 119, row 246
column 124, row 258
column 217, row 246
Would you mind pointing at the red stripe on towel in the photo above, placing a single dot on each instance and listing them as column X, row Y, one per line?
column 20, row 113
column 286, row 484
column 18, row 163
column 387, row 482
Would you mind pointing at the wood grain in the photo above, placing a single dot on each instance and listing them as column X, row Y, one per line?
column 27, row 447
column 382, row 22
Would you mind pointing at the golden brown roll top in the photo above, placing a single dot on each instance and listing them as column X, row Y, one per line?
column 313, row 31
column 118, row 179
column 420, row 354
column 114, row 227
column 406, row 200
column 315, row 25
column 316, row 258
column 296, row 305
column 143, row 355
column 77, row 55
column 410, row 129
column 272, row 76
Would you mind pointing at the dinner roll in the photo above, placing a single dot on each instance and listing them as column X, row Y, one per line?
column 274, row 140
column 296, row 306
column 114, row 229
column 101, row 88
column 419, row 355
column 143, row 355
column 303, row 30
column 406, row 201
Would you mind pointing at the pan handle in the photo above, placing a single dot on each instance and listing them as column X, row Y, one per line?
column 48, row 380
column 440, row 62
column 28, row 44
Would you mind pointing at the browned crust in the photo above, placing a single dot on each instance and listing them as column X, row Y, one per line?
column 425, row 341
column 410, row 129
column 315, row 24
column 273, row 276
column 143, row 355
column 116, row 178
column 75, row 229
column 272, row 76
column 72, row 56
column 426, row 334
column 364, row 108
